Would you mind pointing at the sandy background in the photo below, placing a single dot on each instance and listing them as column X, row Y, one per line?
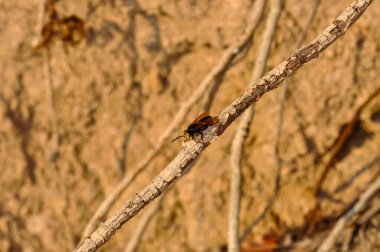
column 117, row 89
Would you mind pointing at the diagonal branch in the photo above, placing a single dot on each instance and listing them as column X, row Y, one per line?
column 330, row 159
column 237, row 147
column 143, row 225
column 192, row 149
column 330, row 240
column 207, row 84
column 279, row 129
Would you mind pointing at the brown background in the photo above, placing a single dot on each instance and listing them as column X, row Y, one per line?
column 118, row 89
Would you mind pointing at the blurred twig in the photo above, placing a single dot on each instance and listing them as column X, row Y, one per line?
column 280, row 125
column 142, row 226
column 192, row 149
column 309, row 22
column 331, row 157
column 223, row 64
column 50, row 96
column 243, row 128
column 133, row 110
column 343, row 137
column 40, row 23
column 348, row 183
column 284, row 95
column 371, row 212
column 253, row 20
column 45, row 9
column 329, row 242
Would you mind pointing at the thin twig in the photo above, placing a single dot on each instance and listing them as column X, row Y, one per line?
column 192, row 149
column 237, row 146
column 330, row 159
column 367, row 167
column 142, row 226
column 223, row 64
column 38, row 37
column 50, row 96
column 253, row 20
column 342, row 139
column 280, row 127
column 284, row 95
column 329, row 242
column 40, row 23
column 309, row 22
column 134, row 242
column 370, row 213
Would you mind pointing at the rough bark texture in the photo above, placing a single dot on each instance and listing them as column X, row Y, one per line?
column 117, row 92
column 207, row 85
column 241, row 135
column 310, row 51
column 191, row 150
column 329, row 242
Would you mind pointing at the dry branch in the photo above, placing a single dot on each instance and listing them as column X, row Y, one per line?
column 280, row 124
column 342, row 140
column 50, row 96
column 142, row 226
column 47, row 73
column 40, row 23
column 329, row 242
column 237, row 147
column 192, row 149
column 330, row 159
column 221, row 67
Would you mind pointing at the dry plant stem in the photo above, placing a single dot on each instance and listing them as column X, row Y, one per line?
column 40, row 22
column 329, row 242
column 369, row 166
column 48, row 79
column 280, row 124
column 145, row 221
column 192, row 149
column 231, row 53
column 330, row 159
column 50, row 95
column 142, row 226
column 341, row 140
column 310, row 20
column 283, row 96
column 237, row 146
column 375, row 208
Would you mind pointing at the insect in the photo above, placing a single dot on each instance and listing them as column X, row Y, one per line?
column 200, row 124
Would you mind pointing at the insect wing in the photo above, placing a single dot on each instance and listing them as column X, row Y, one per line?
column 201, row 126
column 201, row 117
column 210, row 120
column 204, row 124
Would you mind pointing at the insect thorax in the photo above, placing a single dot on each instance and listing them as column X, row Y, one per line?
column 192, row 129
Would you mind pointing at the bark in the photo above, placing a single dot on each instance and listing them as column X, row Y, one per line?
column 192, row 149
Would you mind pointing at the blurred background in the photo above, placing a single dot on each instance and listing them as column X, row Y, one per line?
column 88, row 88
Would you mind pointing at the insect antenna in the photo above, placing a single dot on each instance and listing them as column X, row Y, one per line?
column 177, row 138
